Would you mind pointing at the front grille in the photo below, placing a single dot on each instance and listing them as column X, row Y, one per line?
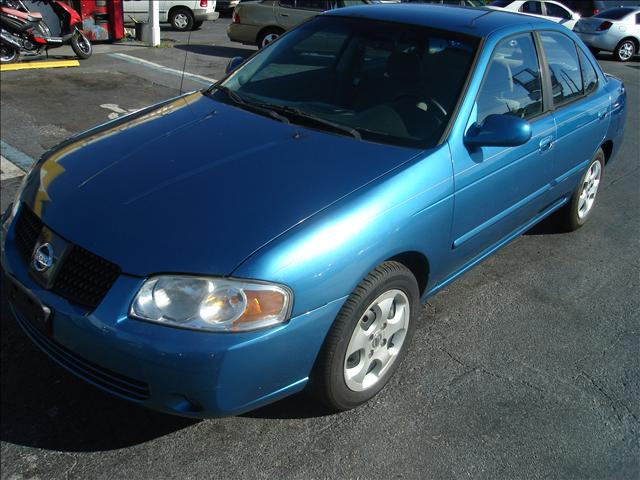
column 28, row 229
column 83, row 277
column 113, row 382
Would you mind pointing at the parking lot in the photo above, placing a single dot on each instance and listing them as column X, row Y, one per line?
column 526, row 367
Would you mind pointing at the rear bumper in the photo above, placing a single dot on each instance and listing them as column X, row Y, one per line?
column 203, row 16
column 177, row 371
column 247, row 34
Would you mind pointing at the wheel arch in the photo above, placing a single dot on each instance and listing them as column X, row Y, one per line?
column 635, row 41
column 179, row 7
column 265, row 29
column 607, row 148
column 417, row 263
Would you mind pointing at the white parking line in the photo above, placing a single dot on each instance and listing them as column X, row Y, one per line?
column 156, row 66
column 8, row 170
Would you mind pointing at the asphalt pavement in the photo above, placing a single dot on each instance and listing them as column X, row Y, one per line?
column 526, row 367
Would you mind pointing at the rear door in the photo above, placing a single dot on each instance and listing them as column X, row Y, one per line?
column 136, row 10
column 499, row 189
column 291, row 13
column 581, row 105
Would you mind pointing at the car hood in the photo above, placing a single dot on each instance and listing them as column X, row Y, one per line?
column 194, row 185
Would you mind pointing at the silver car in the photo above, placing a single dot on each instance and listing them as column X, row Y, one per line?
column 615, row 30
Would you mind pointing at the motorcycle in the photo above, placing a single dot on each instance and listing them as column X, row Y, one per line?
column 25, row 32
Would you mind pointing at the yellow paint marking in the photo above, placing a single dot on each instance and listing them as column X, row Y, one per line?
column 48, row 64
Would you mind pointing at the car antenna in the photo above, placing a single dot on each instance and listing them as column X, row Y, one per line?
column 184, row 65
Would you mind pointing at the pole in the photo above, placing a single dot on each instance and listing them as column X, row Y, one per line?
column 154, row 23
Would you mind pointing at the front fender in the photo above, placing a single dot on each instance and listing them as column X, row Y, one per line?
column 325, row 257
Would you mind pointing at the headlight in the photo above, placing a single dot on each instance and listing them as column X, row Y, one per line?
column 215, row 304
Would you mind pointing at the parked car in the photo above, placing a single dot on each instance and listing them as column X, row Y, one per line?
column 183, row 15
column 615, row 30
column 462, row 3
column 391, row 150
column 587, row 8
column 555, row 11
column 225, row 6
column 261, row 22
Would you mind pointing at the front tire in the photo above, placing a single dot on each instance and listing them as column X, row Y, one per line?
column 368, row 339
column 8, row 54
column 625, row 50
column 580, row 208
column 182, row 19
column 81, row 46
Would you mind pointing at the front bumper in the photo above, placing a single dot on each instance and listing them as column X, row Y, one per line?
column 184, row 372
column 601, row 40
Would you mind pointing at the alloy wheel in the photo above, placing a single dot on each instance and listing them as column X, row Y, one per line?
column 626, row 51
column 181, row 20
column 376, row 340
column 268, row 39
column 589, row 189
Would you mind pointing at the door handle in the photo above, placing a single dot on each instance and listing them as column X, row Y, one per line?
column 602, row 115
column 284, row 14
column 546, row 143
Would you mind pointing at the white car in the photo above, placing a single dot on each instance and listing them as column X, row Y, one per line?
column 554, row 11
column 181, row 14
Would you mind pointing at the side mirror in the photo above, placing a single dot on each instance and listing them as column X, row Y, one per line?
column 498, row 131
column 575, row 16
column 234, row 63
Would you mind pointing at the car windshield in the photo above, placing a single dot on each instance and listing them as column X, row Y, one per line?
column 616, row 13
column 377, row 81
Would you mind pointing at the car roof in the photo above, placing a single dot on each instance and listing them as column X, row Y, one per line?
column 479, row 21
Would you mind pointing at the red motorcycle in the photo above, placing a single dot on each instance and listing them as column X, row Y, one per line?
column 25, row 32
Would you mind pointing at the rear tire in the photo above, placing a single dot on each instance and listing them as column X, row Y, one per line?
column 268, row 35
column 579, row 209
column 182, row 19
column 625, row 50
column 369, row 338
column 81, row 46
column 8, row 54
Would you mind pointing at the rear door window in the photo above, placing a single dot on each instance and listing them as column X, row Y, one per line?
column 564, row 67
column 554, row 10
column 589, row 75
column 532, row 7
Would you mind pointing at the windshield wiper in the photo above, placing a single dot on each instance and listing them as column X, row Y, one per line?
column 314, row 119
column 247, row 105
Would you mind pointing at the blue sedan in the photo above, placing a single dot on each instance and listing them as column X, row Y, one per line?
column 385, row 150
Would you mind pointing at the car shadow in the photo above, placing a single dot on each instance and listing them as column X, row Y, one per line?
column 44, row 406
column 549, row 226
column 217, row 50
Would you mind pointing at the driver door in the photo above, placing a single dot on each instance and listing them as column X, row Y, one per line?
column 499, row 189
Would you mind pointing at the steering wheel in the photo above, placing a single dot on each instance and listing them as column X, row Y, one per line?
column 436, row 107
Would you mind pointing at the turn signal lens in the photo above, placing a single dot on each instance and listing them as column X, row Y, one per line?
column 236, row 17
column 604, row 26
